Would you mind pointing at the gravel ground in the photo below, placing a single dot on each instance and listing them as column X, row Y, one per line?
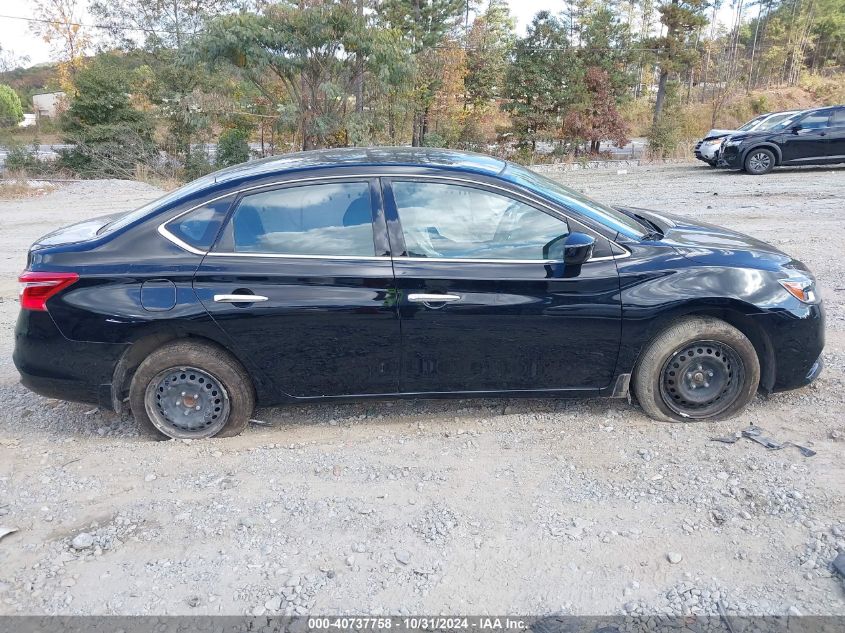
column 478, row 506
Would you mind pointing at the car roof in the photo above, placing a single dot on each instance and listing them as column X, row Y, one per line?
column 363, row 157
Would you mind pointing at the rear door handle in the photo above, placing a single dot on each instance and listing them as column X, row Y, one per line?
column 431, row 298
column 239, row 298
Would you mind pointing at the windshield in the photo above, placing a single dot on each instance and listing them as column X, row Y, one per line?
column 128, row 218
column 773, row 121
column 752, row 123
column 580, row 203
column 786, row 121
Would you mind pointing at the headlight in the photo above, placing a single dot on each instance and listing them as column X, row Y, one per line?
column 802, row 288
column 731, row 142
column 713, row 143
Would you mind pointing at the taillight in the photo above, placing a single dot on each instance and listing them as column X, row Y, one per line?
column 37, row 287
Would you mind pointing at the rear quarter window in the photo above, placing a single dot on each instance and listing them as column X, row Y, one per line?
column 199, row 227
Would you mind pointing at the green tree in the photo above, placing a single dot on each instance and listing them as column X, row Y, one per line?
column 164, row 25
column 540, row 79
column 490, row 43
column 11, row 111
column 681, row 18
column 425, row 24
column 303, row 60
column 109, row 136
column 605, row 44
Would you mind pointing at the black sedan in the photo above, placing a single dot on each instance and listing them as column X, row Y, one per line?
column 397, row 272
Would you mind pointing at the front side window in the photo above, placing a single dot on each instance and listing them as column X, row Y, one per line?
column 815, row 121
column 331, row 219
column 574, row 201
column 461, row 222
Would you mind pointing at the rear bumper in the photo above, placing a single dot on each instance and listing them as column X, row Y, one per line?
column 55, row 367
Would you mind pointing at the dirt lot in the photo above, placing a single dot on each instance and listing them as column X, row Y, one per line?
column 439, row 507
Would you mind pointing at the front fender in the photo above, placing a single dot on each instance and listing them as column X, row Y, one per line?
column 770, row 146
column 652, row 300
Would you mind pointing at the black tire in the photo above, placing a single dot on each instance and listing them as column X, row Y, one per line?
column 219, row 387
column 674, row 379
column 759, row 161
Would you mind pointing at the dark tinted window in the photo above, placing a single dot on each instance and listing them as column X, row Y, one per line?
column 200, row 226
column 455, row 221
column 324, row 219
column 815, row 121
column 838, row 118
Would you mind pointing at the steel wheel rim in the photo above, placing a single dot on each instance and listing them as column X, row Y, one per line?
column 759, row 161
column 702, row 379
column 187, row 402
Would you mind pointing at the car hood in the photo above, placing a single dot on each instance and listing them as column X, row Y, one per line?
column 715, row 133
column 743, row 136
column 715, row 245
column 79, row 232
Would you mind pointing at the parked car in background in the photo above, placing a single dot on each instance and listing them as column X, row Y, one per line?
column 811, row 137
column 707, row 149
column 404, row 273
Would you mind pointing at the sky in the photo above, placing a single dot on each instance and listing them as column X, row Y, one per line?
column 16, row 36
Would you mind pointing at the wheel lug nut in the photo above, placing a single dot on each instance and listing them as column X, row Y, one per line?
column 183, row 394
column 197, row 407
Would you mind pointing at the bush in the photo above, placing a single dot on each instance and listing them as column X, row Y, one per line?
column 196, row 165
column 665, row 133
column 232, row 147
column 434, row 139
column 24, row 159
column 110, row 137
column 11, row 111
column 21, row 158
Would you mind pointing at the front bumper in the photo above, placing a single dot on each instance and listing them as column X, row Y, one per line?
column 706, row 152
column 56, row 367
column 796, row 338
column 730, row 157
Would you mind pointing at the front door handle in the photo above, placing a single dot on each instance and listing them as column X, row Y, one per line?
column 432, row 298
column 239, row 298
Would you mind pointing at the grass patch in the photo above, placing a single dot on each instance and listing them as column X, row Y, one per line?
column 17, row 186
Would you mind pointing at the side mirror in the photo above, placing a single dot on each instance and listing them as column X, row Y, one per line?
column 573, row 249
column 796, row 129
column 578, row 249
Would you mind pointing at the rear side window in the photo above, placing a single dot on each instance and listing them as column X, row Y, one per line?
column 838, row 118
column 199, row 228
column 330, row 219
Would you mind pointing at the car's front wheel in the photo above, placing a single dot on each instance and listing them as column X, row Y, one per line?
column 191, row 390
column 699, row 368
column 759, row 161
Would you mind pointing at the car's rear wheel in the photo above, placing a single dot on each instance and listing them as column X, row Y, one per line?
column 759, row 161
column 191, row 390
column 699, row 368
